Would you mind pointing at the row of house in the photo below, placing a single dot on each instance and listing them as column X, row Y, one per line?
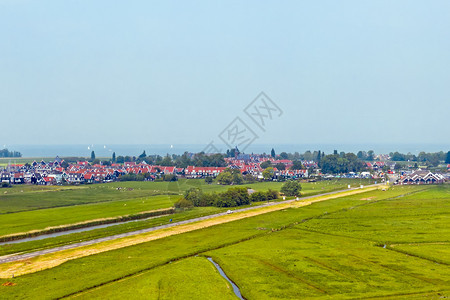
column 49, row 173
column 421, row 177
column 57, row 171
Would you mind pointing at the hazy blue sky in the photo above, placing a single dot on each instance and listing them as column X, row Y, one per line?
column 147, row 72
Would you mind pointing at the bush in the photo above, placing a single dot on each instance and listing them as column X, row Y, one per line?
column 233, row 197
column 193, row 195
column 249, row 178
column 183, row 203
column 272, row 195
column 208, row 180
column 258, row 197
column 132, row 177
column 207, row 199
column 170, row 177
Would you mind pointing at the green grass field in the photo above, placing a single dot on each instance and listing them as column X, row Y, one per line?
column 294, row 253
column 163, row 283
column 32, row 197
column 82, row 203
column 40, row 219
column 27, row 208
column 35, row 199
column 108, row 231
column 43, row 218
column 339, row 254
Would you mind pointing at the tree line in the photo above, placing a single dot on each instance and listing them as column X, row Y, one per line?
column 433, row 158
column 6, row 153
column 233, row 197
column 180, row 161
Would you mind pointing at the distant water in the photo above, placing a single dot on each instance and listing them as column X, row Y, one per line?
column 102, row 150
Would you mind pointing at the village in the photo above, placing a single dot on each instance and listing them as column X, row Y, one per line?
column 59, row 172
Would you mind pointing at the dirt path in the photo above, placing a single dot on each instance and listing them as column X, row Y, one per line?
column 45, row 259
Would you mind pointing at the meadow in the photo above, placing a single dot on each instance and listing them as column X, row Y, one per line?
column 70, row 238
column 40, row 219
column 61, row 216
column 293, row 253
column 25, row 208
column 28, row 198
column 344, row 254
column 32, row 197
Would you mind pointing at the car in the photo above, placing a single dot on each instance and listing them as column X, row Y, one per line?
column 229, row 211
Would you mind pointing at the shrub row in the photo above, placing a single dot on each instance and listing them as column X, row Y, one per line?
column 232, row 197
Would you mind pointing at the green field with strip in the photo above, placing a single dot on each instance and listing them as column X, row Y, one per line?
column 333, row 248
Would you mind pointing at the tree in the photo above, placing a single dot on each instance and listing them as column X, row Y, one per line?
column 237, row 177
column 249, row 178
column 6, row 153
column 280, row 166
column 336, row 163
column 268, row 173
column 214, row 160
column 183, row 161
column 225, row 178
column 113, row 157
column 370, row 155
column 291, row 188
column 361, row 155
column 265, row 164
column 194, row 195
column 284, row 155
column 92, row 155
column 143, row 155
column 447, row 158
column 208, row 180
column 297, row 165
column 272, row 153
column 230, row 176
column 167, row 161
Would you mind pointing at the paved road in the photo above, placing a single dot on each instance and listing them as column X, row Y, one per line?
column 11, row 258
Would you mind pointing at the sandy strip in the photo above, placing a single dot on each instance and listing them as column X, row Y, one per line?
column 54, row 259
